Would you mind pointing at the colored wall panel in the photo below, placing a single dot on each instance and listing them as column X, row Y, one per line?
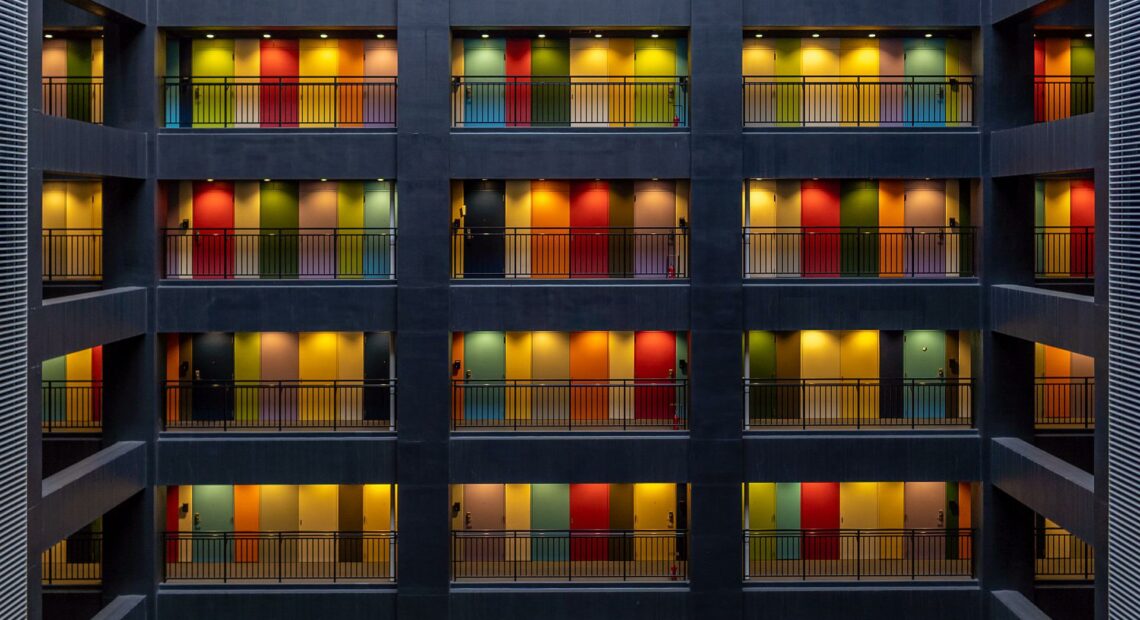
column 820, row 217
column 550, row 510
column 318, row 65
column 589, row 364
column 924, row 363
column 379, row 216
column 280, row 204
column 350, row 518
column 518, row 368
column 859, row 215
column 621, row 259
column 654, row 509
column 859, row 359
column 247, row 69
column 517, row 517
column 350, row 221
column 350, row 69
column 789, row 66
column 589, row 68
column 484, row 60
column 892, row 69
column 247, row 373
column 860, row 58
column 485, row 362
column 589, row 510
column 550, row 216
column 655, row 211
column 518, row 91
column 819, row 510
column 317, row 215
column 1082, row 58
column 654, row 358
column 213, row 222
column 380, row 68
column 1082, row 214
column 820, row 58
column 925, row 505
column 279, row 362
column 621, row 69
column 317, row 512
column 892, row 218
column 280, row 64
column 589, row 234
column 212, row 65
column 247, row 509
column 820, row 364
column 247, row 219
column 279, row 505
column 621, row 367
column 925, row 213
column 484, row 506
column 350, row 371
column 788, row 518
column 377, row 507
column 213, row 512
column 858, row 510
column 656, row 97
column 518, row 216
column 550, row 70
column 459, row 373
column 484, row 249
column 550, row 360
column 925, row 64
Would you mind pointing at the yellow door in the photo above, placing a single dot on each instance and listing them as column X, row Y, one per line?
column 654, row 510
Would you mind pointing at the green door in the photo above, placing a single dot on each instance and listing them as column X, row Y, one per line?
column 924, row 61
column 550, row 510
column 278, row 249
column 550, row 90
column 213, row 519
column 212, row 65
column 656, row 92
column 485, row 359
column 378, row 249
column 859, row 219
column 79, row 68
column 788, row 93
column 1082, row 64
column 53, row 375
column 788, row 520
column 924, row 367
column 762, row 397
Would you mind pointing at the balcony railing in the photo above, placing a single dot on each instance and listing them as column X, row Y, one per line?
column 78, row 98
column 72, row 406
column 859, row 101
column 859, row 554
column 72, row 254
column 1065, row 402
column 76, row 560
column 1061, row 556
column 570, row 101
column 857, row 251
column 1065, row 252
column 279, row 556
column 281, row 405
column 569, row 555
column 309, row 253
column 559, row 253
column 570, row 404
column 279, row 102
column 858, row 403
column 1062, row 96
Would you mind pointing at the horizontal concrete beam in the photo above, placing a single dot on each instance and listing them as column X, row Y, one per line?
column 1002, row 10
column 77, row 322
column 869, row 601
column 571, row 306
column 860, row 154
column 245, row 602
column 131, row 607
column 882, row 13
column 1053, row 488
column 1012, row 605
column 1064, row 145
column 570, row 603
column 132, row 10
column 275, row 306
column 281, row 458
column 1055, row 318
column 479, row 458
column 280, row 154
column 74, row 147
column 78, row 495
column 614, row 154
column 282, row 13
column 854, row 456
column 908, row 304
column 504, row 13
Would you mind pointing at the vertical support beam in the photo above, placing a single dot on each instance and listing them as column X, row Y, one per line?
column 1100, row 438
column 716, row 446
column 422, row 307
column 34, row 293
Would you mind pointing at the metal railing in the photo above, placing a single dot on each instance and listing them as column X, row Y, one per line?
column 570, row 101
column 1058, row 555
column 76, row 560
column 642, row 252
column 279, row 102
column 570, row 404
column 316, row 253
column 859, row 101
column 569, row 555
column 1061, row 96
column 1065, row 402
column 74, row 97
column 279, row 556
column 75, row 406
column 1065, row 252
column 260, row 405
column 858, row 403
column 858, row 251
column 72, row 254
column 859, row 554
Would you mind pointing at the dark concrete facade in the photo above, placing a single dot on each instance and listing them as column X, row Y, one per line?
column 423, row 306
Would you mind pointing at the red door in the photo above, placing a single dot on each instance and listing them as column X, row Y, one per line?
column 654, row 354
column 280, row 66
column 819, row 518
column 172, row 512
column 213, row 230
column 589, row 229
column 96, row 384
column 518, row 83
column 1038, row 88
column 589, row 518
column 820, row 221
column 1082, row 218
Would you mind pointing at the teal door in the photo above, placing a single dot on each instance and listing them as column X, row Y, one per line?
column 378, row 203
column 485, row 359
column 213, row 519
column 484, row 68
column 550, row 512
column 788, row 520
column 924, row 61
column 924, row 367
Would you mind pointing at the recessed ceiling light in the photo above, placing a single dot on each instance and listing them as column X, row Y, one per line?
column 485, row 35
column 49, row 36
column 1088, row 35
column 380, row 35
column 598, row 36
column 872, row 36
column 815, row 35
column 267, row 180
column 324, row 36
column 381, row 180
column 541, row 35
column 267, row 36
column 928, row 35
column 209, row 36
column 324, row 180
column 654, row 178
column 759, row 35
column 209, row 180
column 655, row 35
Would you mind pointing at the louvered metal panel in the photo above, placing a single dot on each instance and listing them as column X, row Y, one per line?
column 1124, row 309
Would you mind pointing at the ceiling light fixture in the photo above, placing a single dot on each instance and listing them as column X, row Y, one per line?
column 485, row 35
column 872, row 36
column 380, row 180
column 598, row 36
column 324, row 36
column 541, row 35
column 928, row 35
column 209, row 36
column 267, row 180
column 267, row 36
column 1088, row 35
column 324, row 180
column 209, row 180
column 49, row 36
column 759, row 35
column 815, row 35
column 380, row 35
column 655, row 36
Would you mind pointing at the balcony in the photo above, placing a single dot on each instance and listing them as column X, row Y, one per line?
column 259, row 557
column 280, row 405
column 569, row 555
column 570, row 405
column 570, row 253
column 1060, row 556
column 1065, row 403
column 1065, row 253
column 227, row 102
column 76, row 561
column 279, row 254
column 72, row 255
column 867, row 101
column 1057, row 97
column 861, row 252
column 807, row 554
column 821, row 404
column 570, row 101
column 76, row 97
column 72, row 406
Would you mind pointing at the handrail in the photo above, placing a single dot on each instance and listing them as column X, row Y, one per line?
column 858, row 403
column 71, row 405
column 78, row 97
column 258, row 405
column 570, row 404
column 1059, row 555
column 1065, row 252
column 1064, row 402
column 72, row 254
column 74, row 561
column 1061, row 96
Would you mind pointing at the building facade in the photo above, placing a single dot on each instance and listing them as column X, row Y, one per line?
column 486, row 308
